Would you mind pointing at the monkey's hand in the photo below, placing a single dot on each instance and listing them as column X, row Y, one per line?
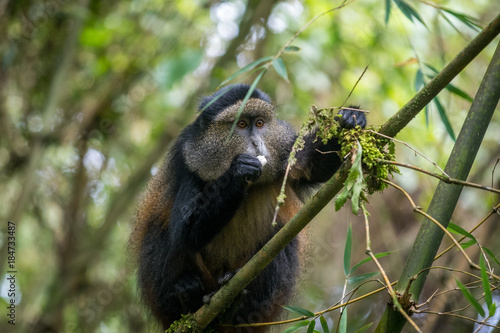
column 245, row 168
column 351, row 117
column 189, row 289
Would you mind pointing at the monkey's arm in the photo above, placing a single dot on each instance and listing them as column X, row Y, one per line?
column 317, row 162
column 202, row 209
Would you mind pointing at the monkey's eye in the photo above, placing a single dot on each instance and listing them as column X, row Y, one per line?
column 242, row 124
column 259, row 123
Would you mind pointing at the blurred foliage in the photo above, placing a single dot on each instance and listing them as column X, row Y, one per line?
column 92, row 93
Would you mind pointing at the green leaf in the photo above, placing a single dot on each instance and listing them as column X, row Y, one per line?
column 486, row 282
column 466, row 19
column 297, row 326
column 450, row 87
column 361, row 278
column 459, row 92
column 470, row 298
column 431, row 68
column 364, row 328
column 341, row 199
column 300, row 311
column 343, row 322
column 96, row 37
column 427, row 115
column 247, row 68
column 357, row 187
column 347, row 251
column 419, row 80
column 213, row 100
column 409, row 11
column 388, row 4
column 444, row 119
column 492, row 256
column 280, row 68
column 452, row 227
column 312, row 324
column 353, row 185
column 468, row 244
column 177, row 67
column 492, row 310
column 245, row 100
column 291, row 49
column 324, row 324
column 378, row 255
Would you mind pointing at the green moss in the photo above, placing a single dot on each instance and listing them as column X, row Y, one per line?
column 186, row 324
column 374, row 147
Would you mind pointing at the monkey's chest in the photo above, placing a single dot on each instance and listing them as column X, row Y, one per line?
column 243, row 236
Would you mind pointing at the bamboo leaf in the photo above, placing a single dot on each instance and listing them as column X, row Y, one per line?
column 247, row 68
column 450, row 87
column 364, row 328
column 486, row 283
column 452, row 227
column 353, row 185
column 324, row 324
column 378, row 255
column 426, row 110
column 280, row 68
column 388, row 4
column 492, row 310
column 347, row 251
column 470, row 298
column 361, row 278
column 444, row 119
column 341, row 199
column 492, row 256
column 459, row 92
column 468, row 244
column 245, row 100
column 291, row 49
column 419, row 80
column 431, row 68
column 213, row 100
column 409, row 11
column 357, row 187
column 310, row 329
column 343, row 321
column 466, row 19
column 300, row 311
column 297, row 326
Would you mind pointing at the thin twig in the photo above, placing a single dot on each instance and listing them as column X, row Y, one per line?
column 493, row 211
column 282, row 50
column 384, row 275
column 459, row 316
column 445, row 179
column 417, row 209
column 407, row 145
column 354, row 87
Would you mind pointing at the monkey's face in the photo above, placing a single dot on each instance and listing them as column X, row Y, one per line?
column 257, row 133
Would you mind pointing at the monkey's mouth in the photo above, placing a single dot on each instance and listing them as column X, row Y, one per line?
column 262, row 159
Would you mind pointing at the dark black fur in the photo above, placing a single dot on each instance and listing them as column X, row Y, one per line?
column 170, row 276
column 226, row 97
